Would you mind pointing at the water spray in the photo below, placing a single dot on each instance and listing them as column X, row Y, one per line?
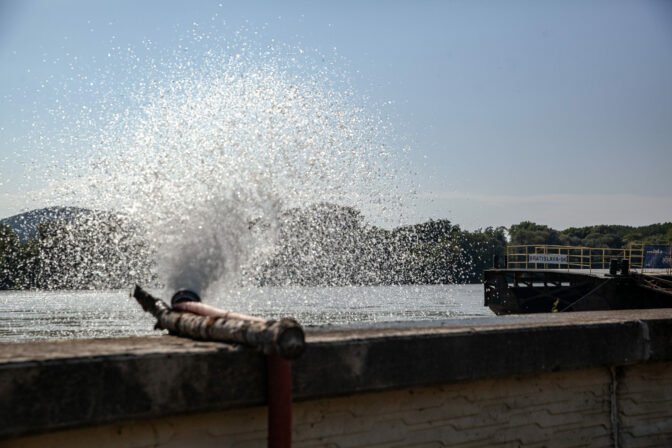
column 257, row 131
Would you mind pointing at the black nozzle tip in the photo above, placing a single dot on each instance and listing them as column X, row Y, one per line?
column 184, row 295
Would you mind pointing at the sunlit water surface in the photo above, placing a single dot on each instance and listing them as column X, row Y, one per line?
column 30, row 315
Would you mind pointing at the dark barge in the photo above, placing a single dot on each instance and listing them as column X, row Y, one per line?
column 579, row 279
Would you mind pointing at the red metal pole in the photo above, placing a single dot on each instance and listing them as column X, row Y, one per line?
column 279, row 402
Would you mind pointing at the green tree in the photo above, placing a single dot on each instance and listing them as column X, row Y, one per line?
column 531, row 233
column 94, row 252
column 481, row 247
column 10, row 258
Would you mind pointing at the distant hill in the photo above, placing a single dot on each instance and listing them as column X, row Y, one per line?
column 25, row 224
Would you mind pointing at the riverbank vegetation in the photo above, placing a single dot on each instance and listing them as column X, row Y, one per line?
column 94, row 251
column 613, row 236
column 319, row 245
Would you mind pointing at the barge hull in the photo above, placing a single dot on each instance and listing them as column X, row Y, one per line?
column 522, row 291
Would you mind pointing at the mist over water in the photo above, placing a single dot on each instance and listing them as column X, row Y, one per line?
column 203, row 152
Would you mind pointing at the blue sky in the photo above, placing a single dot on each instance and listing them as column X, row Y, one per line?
column 556, row 112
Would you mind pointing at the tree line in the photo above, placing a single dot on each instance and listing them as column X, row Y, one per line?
column 327, row 244
column 611, row 236
column 319, row 245
column 96, row 251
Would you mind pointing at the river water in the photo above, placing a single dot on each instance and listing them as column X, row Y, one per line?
column 32, row 315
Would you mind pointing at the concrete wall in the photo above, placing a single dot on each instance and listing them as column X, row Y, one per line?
column 585, row 379
column 566, row 409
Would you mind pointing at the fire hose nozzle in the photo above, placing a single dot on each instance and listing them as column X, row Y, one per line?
column 184, row 295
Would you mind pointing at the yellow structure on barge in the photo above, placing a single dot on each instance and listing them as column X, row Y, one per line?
column 580, row 257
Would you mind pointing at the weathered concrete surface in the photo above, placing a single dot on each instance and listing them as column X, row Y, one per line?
column 48, row 386
column 644, row 402
column 562, row 409
column 51, row 385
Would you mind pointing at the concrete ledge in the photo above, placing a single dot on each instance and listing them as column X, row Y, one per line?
column 48, row 386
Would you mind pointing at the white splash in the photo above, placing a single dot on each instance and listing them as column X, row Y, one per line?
column 207, row 148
